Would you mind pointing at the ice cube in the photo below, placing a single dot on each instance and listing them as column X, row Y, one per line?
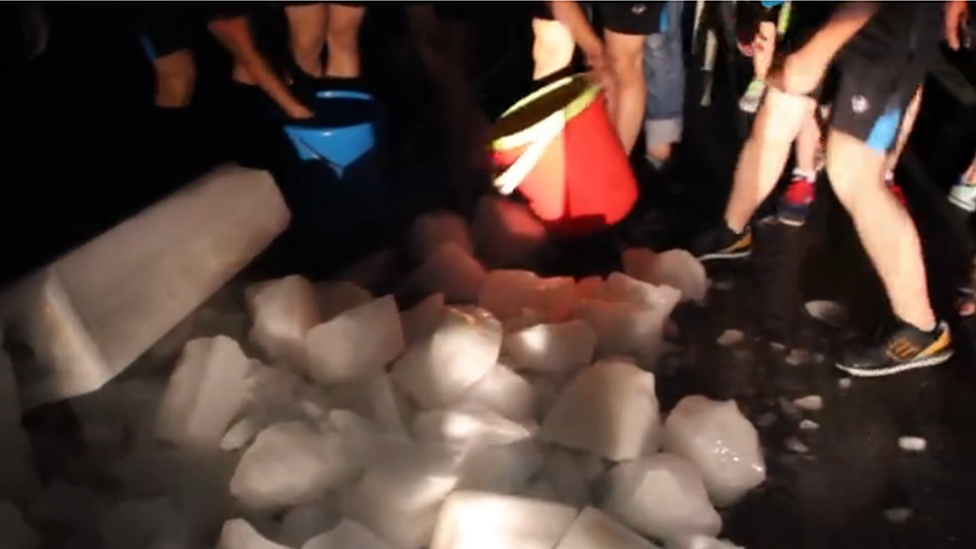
column 506, row 233
column 239, row 534
column 500, row 469
column 590, row 287
column 335, row 298
column 347, row 535
column 564, row 471
column 551, row 348
column 912, row 444
column 829, row 312
column 610, row 410
column 452, row 271
column 399, row 495
column 15, row 533
column 623, row 288
column 809, row 403
column 290, row 464
column 504, row 392
column 377, row 399
column 460, row 353
column 555, row 298
column 730, row 337
column 506, row 292
column 680, row 270
column 419, row 322
column 63, row 504
column 471, row 520
column 593, row 529
column 302, row 523
column 206, row 392
column 357, row 343
column 721, row 442
column 661, row 497
column 432, row 230
column 283, row 312
column 462, row 424
column 139, row 523
column 625, row 329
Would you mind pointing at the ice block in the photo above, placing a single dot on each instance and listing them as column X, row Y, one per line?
column 79, row 321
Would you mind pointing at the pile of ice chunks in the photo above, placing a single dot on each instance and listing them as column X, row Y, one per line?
column 503, row 410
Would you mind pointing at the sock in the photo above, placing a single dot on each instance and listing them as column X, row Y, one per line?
column 797, row 172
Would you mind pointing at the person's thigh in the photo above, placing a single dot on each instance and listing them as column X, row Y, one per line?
column 632, row 18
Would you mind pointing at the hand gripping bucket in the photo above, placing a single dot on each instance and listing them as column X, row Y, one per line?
column 558, row 148
column 338, row 183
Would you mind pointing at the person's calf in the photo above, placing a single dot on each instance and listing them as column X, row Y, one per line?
column 176, row 77
column 629, row 97
column 342, row 38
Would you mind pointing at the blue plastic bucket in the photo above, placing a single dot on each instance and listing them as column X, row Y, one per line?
column 337, row 175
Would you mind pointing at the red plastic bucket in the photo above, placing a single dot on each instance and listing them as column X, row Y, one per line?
column 557, row 147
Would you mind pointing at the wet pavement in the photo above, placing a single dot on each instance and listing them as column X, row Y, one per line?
column 838, row 481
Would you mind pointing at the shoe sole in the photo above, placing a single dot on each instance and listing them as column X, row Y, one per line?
column 791, row 222
column 965, row 206
column 883, row 372
column 724, row 256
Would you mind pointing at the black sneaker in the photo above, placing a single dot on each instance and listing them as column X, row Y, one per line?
column 723, row 243
column 905, row 348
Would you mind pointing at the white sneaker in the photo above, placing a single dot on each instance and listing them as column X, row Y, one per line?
column 963, row 196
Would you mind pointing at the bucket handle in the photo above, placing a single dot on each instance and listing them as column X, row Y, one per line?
column 549, row 129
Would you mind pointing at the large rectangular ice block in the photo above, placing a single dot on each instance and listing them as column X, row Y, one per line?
column 88, row 315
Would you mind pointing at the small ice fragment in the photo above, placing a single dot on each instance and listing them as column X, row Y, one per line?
column 594, row 529
column 418, row 323
column 471, row 520
column 912, row 444
column 240, row 534
column 778, row 347
column 721, row 442
column 844, row 383
column 722, row 285
column 730, row 337
column 506, row 293
column 609, row 409
column 810, row 403
column 348, row 534
column 798, row 357
column 795, row 445
column 355, row 344
column 504, row 392
column 283, row 311
column 789, row 409
column 898, row 514
column 828, row 312
column 809, row 425
column 680, row 270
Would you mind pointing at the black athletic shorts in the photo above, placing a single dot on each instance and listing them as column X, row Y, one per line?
column 881, row 68
column 636, row 18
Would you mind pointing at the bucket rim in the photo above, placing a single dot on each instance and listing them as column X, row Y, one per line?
column 359, row 125
column 574, row 107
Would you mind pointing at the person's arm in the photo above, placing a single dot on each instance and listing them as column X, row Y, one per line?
column 571, row 15
column 235, row 35
column 956, row 14
column 849, row 19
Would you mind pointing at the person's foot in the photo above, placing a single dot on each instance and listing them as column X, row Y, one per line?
column 895, row 189
column 750, row 100
column 794, row 206
column 963, row 196
column 903, row 348
column 722, row 243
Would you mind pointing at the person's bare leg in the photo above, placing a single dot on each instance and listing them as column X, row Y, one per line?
column 342, row 36
column 176, row 77
column 886, row 230
column 552, row 48
column 629, row 96
column 807, row 144
column 904, row 131
column 307, row 26
column 765, row 153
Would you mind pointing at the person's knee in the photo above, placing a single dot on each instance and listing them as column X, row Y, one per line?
column 781, row 117
column 343, row 30
column 176, row 77
column 852, row 168
column 627, row 59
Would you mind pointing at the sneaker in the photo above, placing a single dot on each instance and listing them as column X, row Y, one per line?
column 895, row 189
column 794, row 206
column 905, row 348
column 963, row 196
column 723, row 243
column 753, row 96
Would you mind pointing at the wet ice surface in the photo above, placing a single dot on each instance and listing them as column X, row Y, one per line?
column 493, row 408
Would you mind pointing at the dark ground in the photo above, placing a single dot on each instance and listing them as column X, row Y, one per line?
column 83, row 151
